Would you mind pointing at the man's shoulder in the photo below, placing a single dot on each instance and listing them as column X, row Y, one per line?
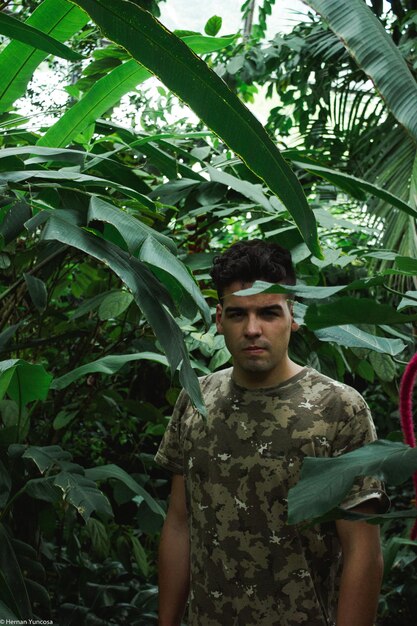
column 330, row 388
column 215, row 380
column 212, row 387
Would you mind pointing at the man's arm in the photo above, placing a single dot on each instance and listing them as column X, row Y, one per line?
column 362, row 571
column 174, row 558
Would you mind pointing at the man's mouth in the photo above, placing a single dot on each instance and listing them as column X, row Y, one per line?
column 254, row 349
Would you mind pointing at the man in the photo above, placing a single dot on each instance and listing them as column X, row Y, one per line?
column 226, row 546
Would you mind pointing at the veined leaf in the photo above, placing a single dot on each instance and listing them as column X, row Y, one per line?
column 140, row 555
column 105, row 472
column 351, row 184
column 114, row 304
column 376, row 54
column 107, row 91
column 410, row 299
column 196, row 84
column 133, row 231
column 106, row 365
column 406, row 264
column 249, row 190
column 352, row 337
column 37, row 291
column 46, row 457
column 348, row 310
column 18, row 61
column 325, row 482
column 311, row 292
column 14, row 29
column 157, row 256
column 82, row 180
column 83, row 494
column 147, row 291
column 24, row 382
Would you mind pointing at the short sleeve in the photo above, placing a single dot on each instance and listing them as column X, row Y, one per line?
column 170, row 453
column 355, row 432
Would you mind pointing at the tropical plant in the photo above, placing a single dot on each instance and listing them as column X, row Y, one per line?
column 107, row 234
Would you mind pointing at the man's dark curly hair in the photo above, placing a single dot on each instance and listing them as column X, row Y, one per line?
column 247, row 261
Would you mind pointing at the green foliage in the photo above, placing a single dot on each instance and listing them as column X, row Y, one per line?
column 188, row 77
column 325, row 482
column 386, row 72
column 14, row 29
column 107, row 235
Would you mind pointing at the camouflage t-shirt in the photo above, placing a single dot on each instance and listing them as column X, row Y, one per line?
column 248, row 567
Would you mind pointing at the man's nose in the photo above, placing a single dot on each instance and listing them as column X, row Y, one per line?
column 253, row 326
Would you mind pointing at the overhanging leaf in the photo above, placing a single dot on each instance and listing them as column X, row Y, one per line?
column 133, row 231
column 192, row 80
column 348, row 310
column 247, row 189
column 325, row 482
column 14, row 29
column 107, row 91
column 78, row 179
column 107, row 365
column 351, row 184
column 147, row 291
column 353, row 337
column 57, row 18
column 156, row 255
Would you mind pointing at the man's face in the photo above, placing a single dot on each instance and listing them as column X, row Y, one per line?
column 257, row 331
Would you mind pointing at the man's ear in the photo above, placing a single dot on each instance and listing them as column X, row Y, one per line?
column 294, row 325
column 219, row 325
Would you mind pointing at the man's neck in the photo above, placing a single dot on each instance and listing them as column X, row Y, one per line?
column 259, row 380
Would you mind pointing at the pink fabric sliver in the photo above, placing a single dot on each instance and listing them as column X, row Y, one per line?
column 406, row 414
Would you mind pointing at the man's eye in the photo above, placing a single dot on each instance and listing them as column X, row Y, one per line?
column 235, row 314
column 270, row 313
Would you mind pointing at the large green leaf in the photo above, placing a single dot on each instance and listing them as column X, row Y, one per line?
column 247, row 189
column 107, row 91
column 310, row 292
column 157, row 257
column 348, row 310
column 325, row 482
column 356, row 187
column 18, row 61
column 74, row 179
column 13, row 590
column 107, row 365
column 376, row 54
column 133, row 231
column 353, row 337
column 46, row 457
column 106, row 472
column 24, row 382
column 14, row 29
column 149, row 294
column 195, row 83
column 83, row 494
